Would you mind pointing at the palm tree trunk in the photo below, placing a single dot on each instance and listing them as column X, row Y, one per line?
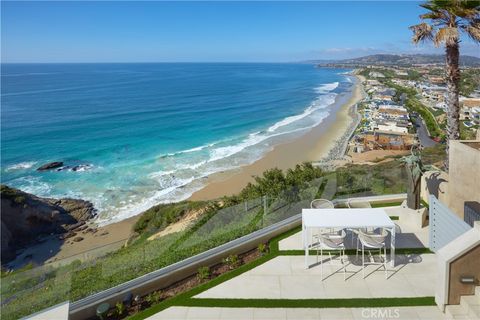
column 453, row 78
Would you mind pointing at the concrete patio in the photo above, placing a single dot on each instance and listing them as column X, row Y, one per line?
column 285, row 277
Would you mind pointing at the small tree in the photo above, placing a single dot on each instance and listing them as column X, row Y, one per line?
column 415, row 169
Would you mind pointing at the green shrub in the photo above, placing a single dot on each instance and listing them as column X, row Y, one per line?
column 119, row 308
column 232, row 261
column 274, row 182
column 203, row 273
column 262, row 248
column 154, row 297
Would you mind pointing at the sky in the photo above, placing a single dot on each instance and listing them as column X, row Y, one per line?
column 121, row 31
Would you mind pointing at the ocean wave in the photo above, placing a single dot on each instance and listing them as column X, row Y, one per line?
column 325, row 88
column 21, row 166
column 34, row 185
column 200, row 148
column 76, row 168
column 28, row 74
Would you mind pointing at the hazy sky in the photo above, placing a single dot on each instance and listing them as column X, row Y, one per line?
column 207, row 31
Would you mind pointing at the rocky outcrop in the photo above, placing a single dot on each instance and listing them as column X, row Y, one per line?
column 25, row 217
column 50, row 165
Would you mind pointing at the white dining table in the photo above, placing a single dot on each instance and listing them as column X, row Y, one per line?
column 348, row 219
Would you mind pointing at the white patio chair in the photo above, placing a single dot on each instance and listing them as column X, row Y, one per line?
column 353, row 203
column 358, row 204
column 334, row 243
column 372, row 242
column 322, row 204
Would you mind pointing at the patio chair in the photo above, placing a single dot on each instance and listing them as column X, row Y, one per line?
column 358, row 204
column 334, row 243
column 372, row 242
column 321, row 204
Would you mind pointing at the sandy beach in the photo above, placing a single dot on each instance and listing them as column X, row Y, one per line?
column 312, row 146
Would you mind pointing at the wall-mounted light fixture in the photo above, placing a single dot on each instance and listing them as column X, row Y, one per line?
column 467, row 279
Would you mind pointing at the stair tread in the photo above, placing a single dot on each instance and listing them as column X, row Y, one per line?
column 456, row 309
column 472, row 300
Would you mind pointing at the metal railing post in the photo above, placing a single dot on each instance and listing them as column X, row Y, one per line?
column 264, row 205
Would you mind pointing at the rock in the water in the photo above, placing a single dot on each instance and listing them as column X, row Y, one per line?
column 50, row 165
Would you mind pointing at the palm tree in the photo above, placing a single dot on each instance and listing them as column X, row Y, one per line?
column 446, row 20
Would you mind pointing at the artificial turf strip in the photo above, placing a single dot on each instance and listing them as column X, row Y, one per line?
column 310, row 303
column 386, row 204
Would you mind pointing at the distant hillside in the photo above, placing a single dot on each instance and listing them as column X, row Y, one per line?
column 401, row 60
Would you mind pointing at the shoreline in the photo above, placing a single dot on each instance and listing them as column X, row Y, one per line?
column 315, row 145
column 320, row 142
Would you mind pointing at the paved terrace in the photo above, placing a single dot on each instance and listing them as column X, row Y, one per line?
column 285, row 277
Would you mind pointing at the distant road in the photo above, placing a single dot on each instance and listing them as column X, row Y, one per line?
column 422, row 133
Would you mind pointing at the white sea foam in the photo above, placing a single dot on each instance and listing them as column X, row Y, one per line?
column 190, row 150
column 21, row 166
column 33, row 185
column 325, row 88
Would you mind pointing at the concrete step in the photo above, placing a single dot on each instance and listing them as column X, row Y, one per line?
column 455, row 311
column 471, row 300
column 469, row 307
column 472, row 305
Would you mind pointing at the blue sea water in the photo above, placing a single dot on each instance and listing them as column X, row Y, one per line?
column 134, row 135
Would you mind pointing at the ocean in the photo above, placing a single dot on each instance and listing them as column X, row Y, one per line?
column 135, row 135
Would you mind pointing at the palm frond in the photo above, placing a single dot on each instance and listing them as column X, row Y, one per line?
column 473, row 32
column 421, row 32
column 465, row 13
column 447, row 35
column 435, row 15
column 471, row 4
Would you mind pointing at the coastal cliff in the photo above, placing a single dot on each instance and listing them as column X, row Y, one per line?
column 25, row 217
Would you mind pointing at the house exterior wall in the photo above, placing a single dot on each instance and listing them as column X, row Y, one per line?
column 464, row 174
column 466, row 265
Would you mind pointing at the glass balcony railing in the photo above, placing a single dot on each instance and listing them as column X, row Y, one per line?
column 29, row 290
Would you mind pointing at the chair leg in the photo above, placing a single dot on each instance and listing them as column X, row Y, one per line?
column 344, row 266
column 385, row 261
column 356, row 252
column 363, row 262
column 321, row 263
